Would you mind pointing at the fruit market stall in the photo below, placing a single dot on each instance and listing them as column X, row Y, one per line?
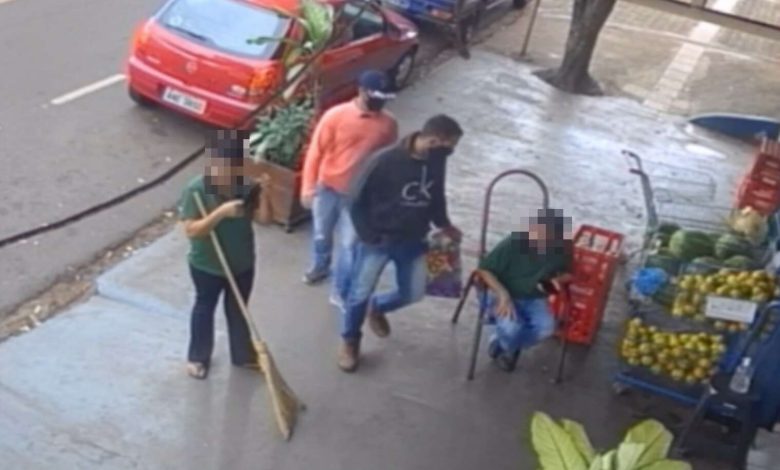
column 696, row 295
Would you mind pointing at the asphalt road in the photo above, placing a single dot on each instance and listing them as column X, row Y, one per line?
column 70, row 137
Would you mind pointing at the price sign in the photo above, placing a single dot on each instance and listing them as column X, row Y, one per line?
column 723, row 308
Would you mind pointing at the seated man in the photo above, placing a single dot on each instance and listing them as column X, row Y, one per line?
column 520, row 273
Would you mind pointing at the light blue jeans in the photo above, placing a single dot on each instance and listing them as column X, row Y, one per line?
column 330, row 211
column 369, row 261
column 534, row 323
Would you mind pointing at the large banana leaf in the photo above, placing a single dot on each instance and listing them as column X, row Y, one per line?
column 667, row 465
column 553, row 445
column 580, row 439
column 628, row 454
column 654, row 436
column 598, row 464
column 317, row 19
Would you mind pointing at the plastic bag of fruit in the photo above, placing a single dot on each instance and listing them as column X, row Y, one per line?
column 445, row 274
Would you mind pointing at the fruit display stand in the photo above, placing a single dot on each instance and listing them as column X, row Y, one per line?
column 709, row 287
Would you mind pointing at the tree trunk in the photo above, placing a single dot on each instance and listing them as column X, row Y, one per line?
column 588, row 17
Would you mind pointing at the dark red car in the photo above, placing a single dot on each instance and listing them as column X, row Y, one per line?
column 194, row 56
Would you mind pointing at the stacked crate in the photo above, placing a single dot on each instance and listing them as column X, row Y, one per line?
column 760, row 187
column 596, row 256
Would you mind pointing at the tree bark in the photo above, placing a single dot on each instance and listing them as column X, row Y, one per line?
column 588, row 17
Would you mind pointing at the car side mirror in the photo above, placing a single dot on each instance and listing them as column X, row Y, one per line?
column 392, row 31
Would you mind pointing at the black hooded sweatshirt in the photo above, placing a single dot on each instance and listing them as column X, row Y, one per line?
column 399, row 196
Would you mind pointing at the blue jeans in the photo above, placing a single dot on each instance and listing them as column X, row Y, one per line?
column 534, row 323
column 208, row 288
column 368, row 264
column 330, row 210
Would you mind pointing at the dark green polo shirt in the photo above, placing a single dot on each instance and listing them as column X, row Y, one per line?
column 235, row 234
column 520, row 270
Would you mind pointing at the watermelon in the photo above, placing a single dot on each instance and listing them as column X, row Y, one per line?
column 730, row 245
column 740, row 262
column 691, row 244
column 668, row 228
column 664, row 233
column 703, row 265
column 666, row 295
column 663, row 260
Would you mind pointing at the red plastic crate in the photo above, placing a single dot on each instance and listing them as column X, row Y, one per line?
column 769, row 148
column 766, row 169
column 764, row 198
column 585, row 310
column 596, row 255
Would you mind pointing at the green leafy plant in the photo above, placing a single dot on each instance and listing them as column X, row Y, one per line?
column 566, row 446
column 317, row 22
column 279, row 136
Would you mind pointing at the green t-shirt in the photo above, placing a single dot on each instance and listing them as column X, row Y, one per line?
column 519, row 270
column 234, row 234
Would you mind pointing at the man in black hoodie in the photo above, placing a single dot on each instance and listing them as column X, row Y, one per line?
column 402, row 194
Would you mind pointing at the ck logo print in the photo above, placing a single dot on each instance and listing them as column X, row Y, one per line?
column 417, row 193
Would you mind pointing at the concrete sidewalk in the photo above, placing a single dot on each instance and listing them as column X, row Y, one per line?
column 103, row 386
column 669, row 62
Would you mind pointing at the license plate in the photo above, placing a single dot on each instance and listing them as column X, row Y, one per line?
column 399, row 3
column 183, row 100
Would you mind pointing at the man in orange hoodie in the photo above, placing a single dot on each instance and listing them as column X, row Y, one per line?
column 344, row 138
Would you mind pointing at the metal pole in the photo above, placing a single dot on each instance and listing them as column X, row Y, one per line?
column 528, row 31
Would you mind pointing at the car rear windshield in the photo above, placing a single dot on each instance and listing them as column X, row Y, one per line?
column 226, row 25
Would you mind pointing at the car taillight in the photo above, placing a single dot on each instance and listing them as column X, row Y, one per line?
column 263, row 80
column 141, row 37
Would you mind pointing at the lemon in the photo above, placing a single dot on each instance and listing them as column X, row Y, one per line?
column 677, row 374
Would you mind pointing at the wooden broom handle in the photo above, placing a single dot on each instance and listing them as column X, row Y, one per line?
column 226, row 268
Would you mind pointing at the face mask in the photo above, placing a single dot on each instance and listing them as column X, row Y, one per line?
column 375, row 104
column 440, row 152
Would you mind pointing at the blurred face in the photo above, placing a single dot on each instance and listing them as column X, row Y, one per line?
column 224, row 175
column 539, row 233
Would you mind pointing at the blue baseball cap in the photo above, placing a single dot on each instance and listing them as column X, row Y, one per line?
column 375, row 84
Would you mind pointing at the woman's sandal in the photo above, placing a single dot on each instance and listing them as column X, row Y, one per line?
column 197, row 370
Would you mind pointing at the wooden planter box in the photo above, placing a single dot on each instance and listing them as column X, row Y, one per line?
column 284, row 189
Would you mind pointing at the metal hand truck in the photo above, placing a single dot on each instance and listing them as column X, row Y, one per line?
column 474, row 280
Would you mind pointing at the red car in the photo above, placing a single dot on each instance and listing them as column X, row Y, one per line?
column 194, row 56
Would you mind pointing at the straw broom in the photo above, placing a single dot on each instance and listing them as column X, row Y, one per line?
column 285, row 403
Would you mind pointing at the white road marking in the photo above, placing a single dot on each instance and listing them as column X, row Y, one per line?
column 85, row 90
column 5, row 1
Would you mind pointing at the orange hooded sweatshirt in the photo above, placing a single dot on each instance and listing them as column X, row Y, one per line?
column 345, row 136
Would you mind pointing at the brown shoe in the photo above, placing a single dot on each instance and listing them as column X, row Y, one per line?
column 348, row 356
column 378, row 324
